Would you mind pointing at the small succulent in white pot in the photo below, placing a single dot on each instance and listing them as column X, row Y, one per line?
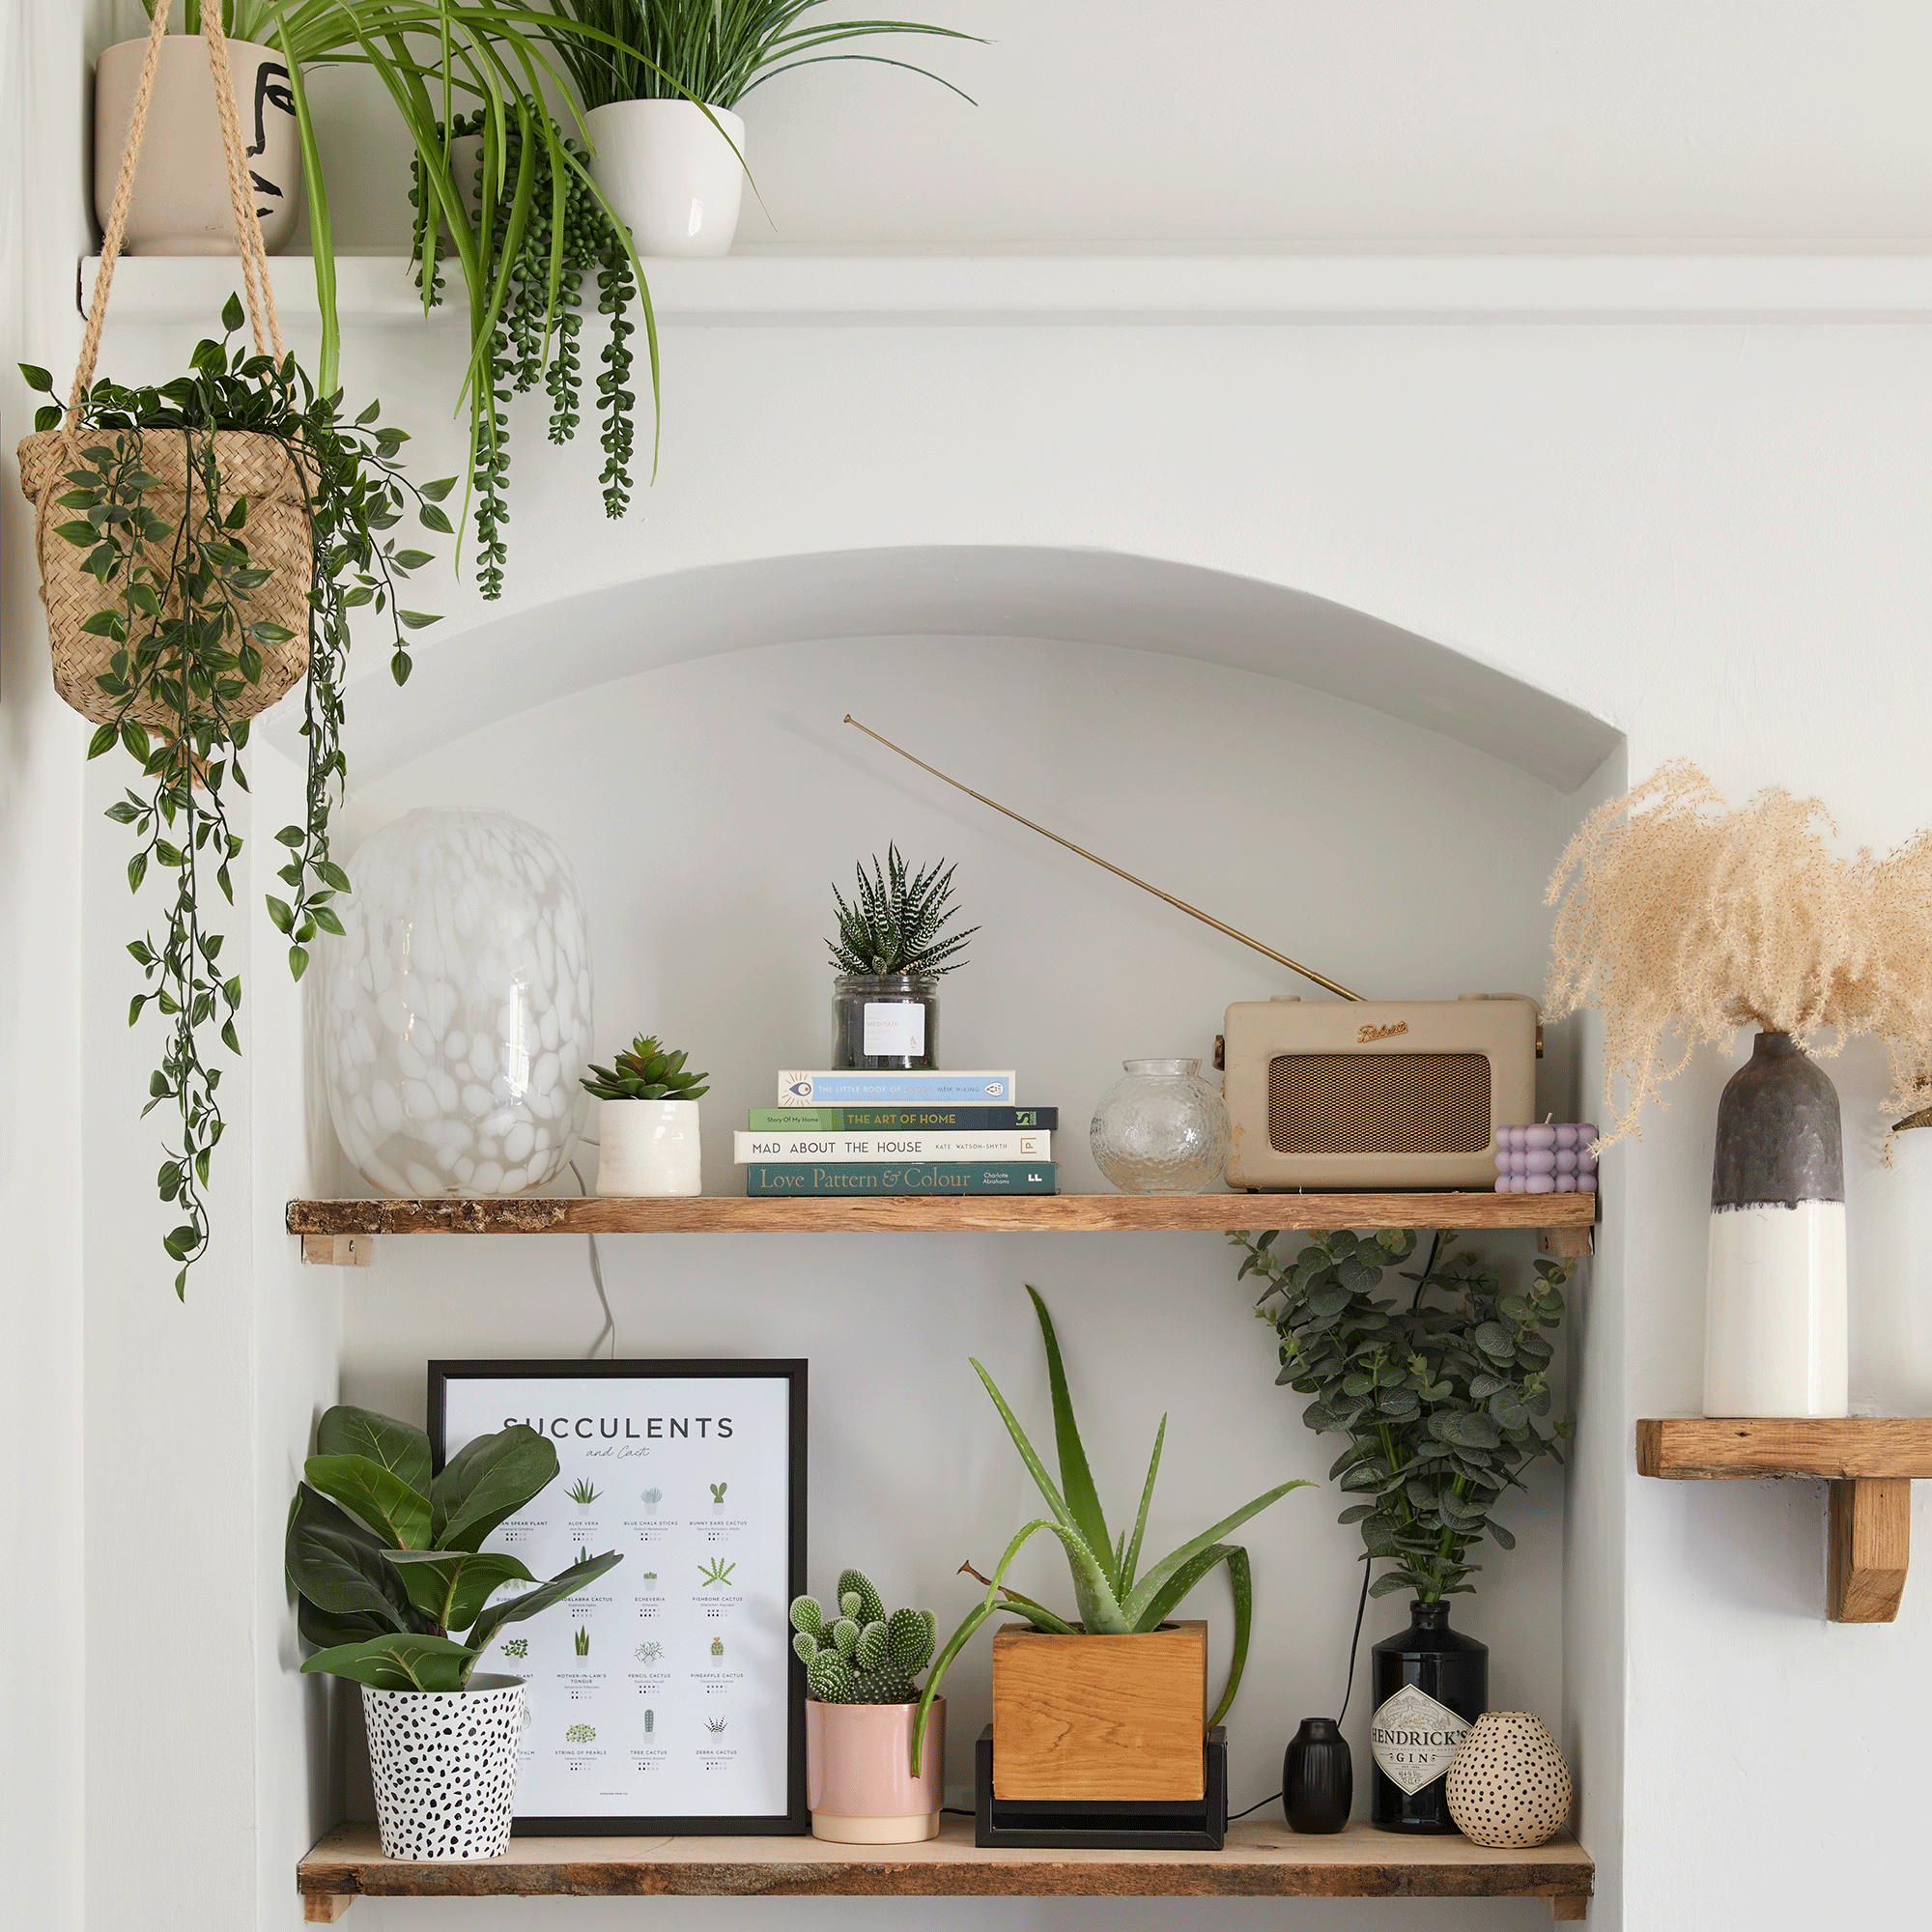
column 647, row 1124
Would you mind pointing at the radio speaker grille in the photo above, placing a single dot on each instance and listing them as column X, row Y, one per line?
column 1379, row 1102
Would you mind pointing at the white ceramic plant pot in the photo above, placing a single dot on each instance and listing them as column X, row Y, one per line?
column 648, row 1147
column 670, row 174
column 444, row 1767
column 181, row 204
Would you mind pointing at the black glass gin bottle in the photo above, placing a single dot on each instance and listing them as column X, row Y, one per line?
column 1431, row 1685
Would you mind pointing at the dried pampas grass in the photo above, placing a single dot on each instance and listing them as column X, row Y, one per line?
column 1685, row 921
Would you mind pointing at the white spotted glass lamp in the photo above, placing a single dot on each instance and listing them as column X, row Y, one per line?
column 457, row 1007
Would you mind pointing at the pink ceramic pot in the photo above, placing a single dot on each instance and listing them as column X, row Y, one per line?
column 857, row 1780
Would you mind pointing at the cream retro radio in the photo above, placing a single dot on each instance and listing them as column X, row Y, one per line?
column 1382, row 1094
column 1351, row 1092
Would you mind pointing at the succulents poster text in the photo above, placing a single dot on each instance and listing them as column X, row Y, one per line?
column 662, row 1692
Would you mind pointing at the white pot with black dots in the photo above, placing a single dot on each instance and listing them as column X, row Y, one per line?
column 443, row 1764
column 1776, row 1319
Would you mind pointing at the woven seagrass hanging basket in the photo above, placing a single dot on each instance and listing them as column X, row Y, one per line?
column 277, row 533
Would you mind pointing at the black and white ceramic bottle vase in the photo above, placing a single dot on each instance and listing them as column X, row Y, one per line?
column 1774, row 1313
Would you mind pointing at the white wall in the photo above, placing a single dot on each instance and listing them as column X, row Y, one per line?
column 1287, row 121
column 43, row 1703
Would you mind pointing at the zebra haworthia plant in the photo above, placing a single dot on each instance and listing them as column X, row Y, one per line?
column 897, row 921
column 1113, row 1596
column 388, row 1562
column 862, row 1656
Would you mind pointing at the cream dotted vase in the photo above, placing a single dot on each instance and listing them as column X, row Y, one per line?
column 1509, row 1785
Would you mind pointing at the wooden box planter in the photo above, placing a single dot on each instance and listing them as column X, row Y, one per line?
column 1110, row 1719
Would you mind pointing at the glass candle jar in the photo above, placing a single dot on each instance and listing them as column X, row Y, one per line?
column 885, row 1019
column 1162, row 1130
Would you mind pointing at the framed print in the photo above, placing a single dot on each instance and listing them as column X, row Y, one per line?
column 663, row 1697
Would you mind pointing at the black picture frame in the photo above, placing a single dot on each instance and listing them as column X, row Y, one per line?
column 795, row 1819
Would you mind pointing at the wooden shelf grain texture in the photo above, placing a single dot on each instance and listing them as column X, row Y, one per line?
column 1262, row 1859
column 1870, row 1462
column 1822, row 1449
column 985, row 1213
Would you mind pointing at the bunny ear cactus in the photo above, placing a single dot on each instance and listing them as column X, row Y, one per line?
column 1113, row 1596
column 863, row 1655
column 388, row 1563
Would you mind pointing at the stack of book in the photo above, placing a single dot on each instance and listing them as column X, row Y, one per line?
column 867, row 1130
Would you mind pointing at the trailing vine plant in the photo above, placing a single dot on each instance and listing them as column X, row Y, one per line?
column 188, row 643
column 1442, row 1399
column 540, row 256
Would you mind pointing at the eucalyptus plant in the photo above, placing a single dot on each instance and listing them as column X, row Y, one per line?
column 1442, row 1400
column 712, row 51
column 1112, row 1594
column 186, row 642
column 387, row 1561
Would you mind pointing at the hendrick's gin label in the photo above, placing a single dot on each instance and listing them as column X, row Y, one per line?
column 1431, row 1685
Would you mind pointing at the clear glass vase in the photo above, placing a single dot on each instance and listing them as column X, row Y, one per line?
column 885, row 1019
column 456, row 1015
column 1162, row 1130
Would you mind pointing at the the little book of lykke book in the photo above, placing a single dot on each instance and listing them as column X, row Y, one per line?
column 886, row 1086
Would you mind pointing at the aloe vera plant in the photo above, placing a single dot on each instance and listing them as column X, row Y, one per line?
column 583, row 1491
column 1113, row 1597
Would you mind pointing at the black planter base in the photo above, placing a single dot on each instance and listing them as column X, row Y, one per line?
column 1021, row 1822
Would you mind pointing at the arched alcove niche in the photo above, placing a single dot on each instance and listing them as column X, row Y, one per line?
column 1373, row 803
column 470, row 679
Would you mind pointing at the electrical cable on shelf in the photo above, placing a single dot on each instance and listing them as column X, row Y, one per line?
column 610, row 1326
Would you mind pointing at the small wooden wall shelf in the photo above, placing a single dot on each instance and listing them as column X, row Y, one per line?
column 341, row 1232
column 1870, row 1462
column 1262, row 1859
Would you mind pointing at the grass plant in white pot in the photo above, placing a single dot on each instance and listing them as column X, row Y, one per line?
column 659, row 94
column 647, row 1131
column 388, row 1565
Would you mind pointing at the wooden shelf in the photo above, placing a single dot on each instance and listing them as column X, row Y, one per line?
column 1870, row 1462
column 1563, row 1216
column 1262, row 1859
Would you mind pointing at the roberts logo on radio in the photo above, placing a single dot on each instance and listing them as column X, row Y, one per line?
column 1363, row 1034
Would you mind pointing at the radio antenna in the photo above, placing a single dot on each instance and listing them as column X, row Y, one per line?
column 1193, row 911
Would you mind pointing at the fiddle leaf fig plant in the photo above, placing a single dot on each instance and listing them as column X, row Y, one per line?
column 387, row 1560
column 1441, row 1400
column 1113, row 1597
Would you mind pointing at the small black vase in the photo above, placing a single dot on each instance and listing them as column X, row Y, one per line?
column 1431, row 1684
column 1317, row 1777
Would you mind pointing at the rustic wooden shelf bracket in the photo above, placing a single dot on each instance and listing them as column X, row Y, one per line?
column 341, row 1251
column 1870, row 1463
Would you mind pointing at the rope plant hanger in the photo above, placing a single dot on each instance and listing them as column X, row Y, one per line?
column 201, row 544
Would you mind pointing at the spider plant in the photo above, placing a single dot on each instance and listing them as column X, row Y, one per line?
column 434, row 59
column 713, row 51
column 1113, row 1596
